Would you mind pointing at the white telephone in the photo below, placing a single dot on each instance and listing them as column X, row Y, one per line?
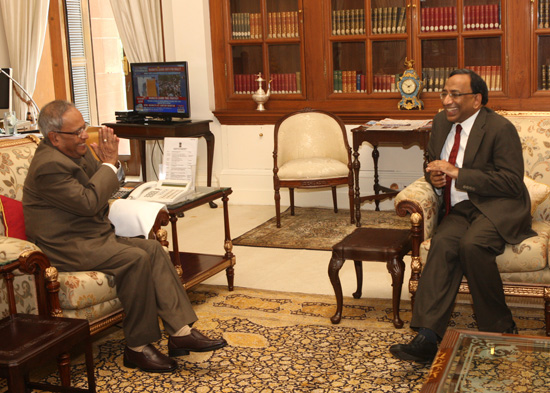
column 163, row 191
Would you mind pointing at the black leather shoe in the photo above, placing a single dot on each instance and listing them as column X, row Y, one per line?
column 150, row 360
column 512, row 329
column 194, row 342
column 418, row 350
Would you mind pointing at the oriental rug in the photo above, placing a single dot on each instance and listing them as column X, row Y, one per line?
column 284, row 342
column 315, row 228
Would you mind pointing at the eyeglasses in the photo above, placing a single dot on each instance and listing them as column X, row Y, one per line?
column 453, row 95
column 78, row 133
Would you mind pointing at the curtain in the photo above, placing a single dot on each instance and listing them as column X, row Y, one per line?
column 25, row 24
column 140, row 28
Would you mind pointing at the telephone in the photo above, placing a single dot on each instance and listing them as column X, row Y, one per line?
column 169, row 192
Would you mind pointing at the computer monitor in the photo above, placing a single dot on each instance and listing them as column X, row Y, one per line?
column 6, row 92
column 161, row 90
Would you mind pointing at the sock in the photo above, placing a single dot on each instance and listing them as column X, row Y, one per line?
column 184, row 331
column 138, row 349
column 430, row 335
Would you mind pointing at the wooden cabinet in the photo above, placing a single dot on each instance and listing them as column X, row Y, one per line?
column 344, row 55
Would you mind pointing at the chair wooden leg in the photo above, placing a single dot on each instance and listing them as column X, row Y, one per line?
column 334, row 199
column 90, row 366
column 291, row 194
column 359, row 275
column 278, row 207
column 351, row 196
column 547, row 315
column 334, row 267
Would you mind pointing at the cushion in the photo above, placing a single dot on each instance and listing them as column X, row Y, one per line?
column 12, row 215
column 312, row 168
column 538, row 192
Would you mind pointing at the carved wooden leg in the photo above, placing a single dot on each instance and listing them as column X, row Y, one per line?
column 359, row 275
column 396, row 267
column 291, row 194
column 63, row 362
column 90, row 366
column 333, row 269
column 547, row 315
column 334, row 199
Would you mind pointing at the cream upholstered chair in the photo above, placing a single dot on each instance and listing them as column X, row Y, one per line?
column 524, row 268
column 311, row 151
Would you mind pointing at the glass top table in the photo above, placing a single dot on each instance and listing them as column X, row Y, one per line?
column 475, row 362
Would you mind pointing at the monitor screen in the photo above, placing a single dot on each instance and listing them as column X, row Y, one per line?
column 161, row 89
column 6, row 89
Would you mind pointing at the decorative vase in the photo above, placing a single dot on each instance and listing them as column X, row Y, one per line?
column 260, row 97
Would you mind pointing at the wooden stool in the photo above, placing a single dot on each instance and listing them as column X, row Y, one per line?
column 371, row 244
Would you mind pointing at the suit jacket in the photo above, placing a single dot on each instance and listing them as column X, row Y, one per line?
column 492, row 172
column 65, row 203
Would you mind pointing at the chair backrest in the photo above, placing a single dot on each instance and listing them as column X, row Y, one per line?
column 16, row 156
column 310, row 133
column 534, row 132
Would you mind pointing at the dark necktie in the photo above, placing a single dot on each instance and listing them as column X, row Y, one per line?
column 452, row 160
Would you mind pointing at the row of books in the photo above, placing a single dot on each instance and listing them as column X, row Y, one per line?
column 545, row 77
column 348, row 22
column 283, row 24
column 348, row 82
column 389, row 20
column 289, row 83
column 481, row 17
column 246, row 25
column 434, row 78
column 438, row 19
column 544, row 14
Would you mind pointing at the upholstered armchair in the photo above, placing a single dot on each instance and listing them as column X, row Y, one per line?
column 311, row 151
column 88, row 295
column 524, row 267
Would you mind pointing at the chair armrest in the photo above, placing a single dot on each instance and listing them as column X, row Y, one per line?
column 159, row 233
column 419, row 197
column 24, row 257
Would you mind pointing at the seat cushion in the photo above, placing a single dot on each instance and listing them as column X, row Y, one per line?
column 312, row 168
column 531, row 255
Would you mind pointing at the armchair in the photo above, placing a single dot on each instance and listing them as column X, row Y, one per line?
column 87, row 295
column 524, row 267
column 311, row 151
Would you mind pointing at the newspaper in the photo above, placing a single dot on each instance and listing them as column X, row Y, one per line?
column 396, row 125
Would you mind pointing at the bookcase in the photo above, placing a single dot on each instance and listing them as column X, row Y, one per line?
column 344, row 56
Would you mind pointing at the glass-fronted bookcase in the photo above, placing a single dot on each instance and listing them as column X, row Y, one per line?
column 346, row 55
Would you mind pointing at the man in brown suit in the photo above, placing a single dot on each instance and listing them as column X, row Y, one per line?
column 65, row 202
column 488, row 206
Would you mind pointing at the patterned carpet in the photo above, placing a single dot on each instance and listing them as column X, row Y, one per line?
column 315, row 228
column 284, row 342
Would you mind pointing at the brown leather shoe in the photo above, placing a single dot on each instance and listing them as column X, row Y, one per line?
column 194, row 342
column 150, row 360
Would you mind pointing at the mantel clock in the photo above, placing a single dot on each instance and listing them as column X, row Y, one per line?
column 410, row 86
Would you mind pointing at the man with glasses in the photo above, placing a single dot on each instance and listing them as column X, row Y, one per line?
column 65, row 202
column 476, row 166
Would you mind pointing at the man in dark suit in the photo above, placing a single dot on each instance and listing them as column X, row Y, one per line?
column 65, row 202
column 476, row 165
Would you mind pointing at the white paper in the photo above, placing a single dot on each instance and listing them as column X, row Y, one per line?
column 398, row 125
column 180, row 159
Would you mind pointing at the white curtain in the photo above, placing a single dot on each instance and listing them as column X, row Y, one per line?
column 25, row 24
column 140, row 29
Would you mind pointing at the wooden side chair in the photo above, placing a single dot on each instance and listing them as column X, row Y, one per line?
column 311, row 151
column 28, row 340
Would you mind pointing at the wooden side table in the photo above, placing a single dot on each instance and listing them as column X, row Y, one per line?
column 194, row 268
column 376, row 138
column 31, row 340
column 371, row 244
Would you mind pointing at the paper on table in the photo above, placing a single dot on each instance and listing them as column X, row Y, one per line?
column 180, row 158
column 398, row 125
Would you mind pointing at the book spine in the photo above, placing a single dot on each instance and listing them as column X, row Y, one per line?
column 270, row 25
